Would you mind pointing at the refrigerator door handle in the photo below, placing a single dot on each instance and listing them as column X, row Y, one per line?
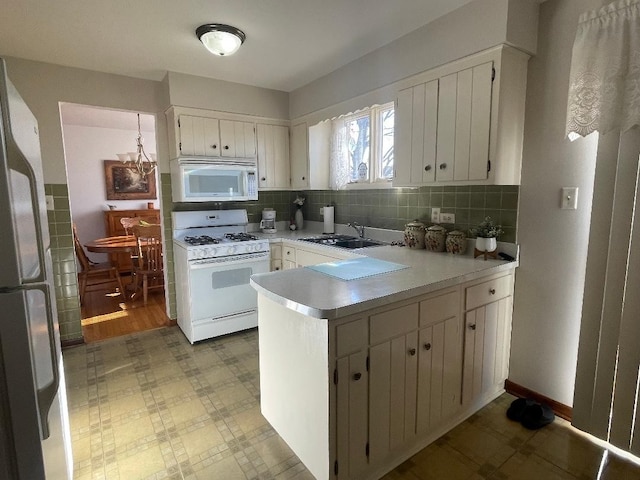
column 47, row 393
column 19, row 163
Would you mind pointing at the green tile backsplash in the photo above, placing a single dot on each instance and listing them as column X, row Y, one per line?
column 65, row 279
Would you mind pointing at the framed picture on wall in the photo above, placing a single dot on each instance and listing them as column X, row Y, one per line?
column 124, row 182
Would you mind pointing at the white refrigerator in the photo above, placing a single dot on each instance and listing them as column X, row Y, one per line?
column 35, row 441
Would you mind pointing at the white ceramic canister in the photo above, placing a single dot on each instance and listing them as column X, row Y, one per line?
column 456, row 242
column 414, row 234
column 435, row 238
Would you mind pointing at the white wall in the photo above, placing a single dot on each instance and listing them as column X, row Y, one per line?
column 550, row 280
column 86, row 149
column 43, row 86
column 472, row 28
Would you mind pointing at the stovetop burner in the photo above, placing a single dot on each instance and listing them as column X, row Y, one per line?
column 201, row 240
column 240, row 237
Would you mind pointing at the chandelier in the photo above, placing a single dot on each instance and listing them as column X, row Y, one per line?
column 139, row 159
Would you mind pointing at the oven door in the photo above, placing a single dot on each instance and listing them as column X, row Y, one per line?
column 220, row 286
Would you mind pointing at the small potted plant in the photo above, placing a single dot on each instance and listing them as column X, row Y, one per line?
column 486, row 234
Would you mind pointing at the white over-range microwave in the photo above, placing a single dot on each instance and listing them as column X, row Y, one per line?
column 200, row 180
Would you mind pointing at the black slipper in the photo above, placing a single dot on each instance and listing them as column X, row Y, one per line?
column 537, row 416
column 518, row 407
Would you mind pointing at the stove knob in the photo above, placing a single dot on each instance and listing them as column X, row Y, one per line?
column 231, row 250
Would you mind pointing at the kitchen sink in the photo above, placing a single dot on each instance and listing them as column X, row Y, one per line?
column 344, row 241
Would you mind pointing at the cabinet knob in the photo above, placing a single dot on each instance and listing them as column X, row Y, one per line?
column 263, row 179
column 412, row 351
column 226, row 147
column 303, row 178
column 472, row 326
column 427, row 168
column 443, row 166
column 492, row 291
column 214, row 146
column 357, row 376
column 427, row 346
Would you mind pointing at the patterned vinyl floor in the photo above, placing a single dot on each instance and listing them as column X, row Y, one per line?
column 152, row 406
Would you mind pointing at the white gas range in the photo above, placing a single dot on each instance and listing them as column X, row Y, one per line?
column 214, row 257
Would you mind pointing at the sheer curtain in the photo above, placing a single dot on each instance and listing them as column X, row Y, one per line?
column 604, row 88
column 339, row 161
column 604, row 96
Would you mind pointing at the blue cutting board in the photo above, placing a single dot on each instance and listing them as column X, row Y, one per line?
column 355, row 268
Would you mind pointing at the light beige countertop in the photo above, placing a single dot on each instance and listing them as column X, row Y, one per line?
column 322, row 296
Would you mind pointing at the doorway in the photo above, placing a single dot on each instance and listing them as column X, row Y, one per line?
column 92, row 138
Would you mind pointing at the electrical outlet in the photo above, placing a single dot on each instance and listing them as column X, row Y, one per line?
column 49, row 200
column 448, row 217
column 435, row 215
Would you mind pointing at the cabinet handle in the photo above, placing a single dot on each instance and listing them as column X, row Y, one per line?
column 226, row 147
column 214, row 146
column 472, row 326
column 427, row 168
column 357, row 376
column 303, row 178
column 412, row 351
column 492, row 291
column 443, row 166
column 263, row 179
column 427, row 346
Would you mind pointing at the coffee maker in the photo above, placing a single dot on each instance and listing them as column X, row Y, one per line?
column 268, row 222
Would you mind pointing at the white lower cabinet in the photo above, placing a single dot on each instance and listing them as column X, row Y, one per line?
column 407, row 373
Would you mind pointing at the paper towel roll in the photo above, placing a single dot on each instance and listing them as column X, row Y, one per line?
column 328, row 220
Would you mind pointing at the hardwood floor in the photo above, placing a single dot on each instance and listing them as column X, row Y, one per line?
column 107, row 315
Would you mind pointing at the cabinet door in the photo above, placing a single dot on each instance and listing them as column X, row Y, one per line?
column 393, row 384
column 439, row 373
column 199, row 136
column 273, row 156
column 351, row 414
column 416, row 131
column 238, row 139
column 486, row 349
column 299, row 163
column 464, row 116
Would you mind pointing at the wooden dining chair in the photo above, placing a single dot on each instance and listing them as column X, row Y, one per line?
column 94, row 276
column 148, row 272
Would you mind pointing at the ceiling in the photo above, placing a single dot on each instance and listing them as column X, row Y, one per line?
column 74, row 114
column 289, row 42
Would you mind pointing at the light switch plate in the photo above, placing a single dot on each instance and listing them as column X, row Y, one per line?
column 569, row 198
column 49, row 200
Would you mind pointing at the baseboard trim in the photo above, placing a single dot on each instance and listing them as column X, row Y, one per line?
column 560, row 409
column 72, row 343
column 172, row 322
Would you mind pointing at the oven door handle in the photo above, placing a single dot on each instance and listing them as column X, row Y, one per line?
column 217, row 262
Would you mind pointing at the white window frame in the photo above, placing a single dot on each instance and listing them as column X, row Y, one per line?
column 375, row 146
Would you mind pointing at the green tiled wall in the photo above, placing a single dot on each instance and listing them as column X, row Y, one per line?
column 166, row 207
column 393, row 208
column 64, row 263
column 386, row 208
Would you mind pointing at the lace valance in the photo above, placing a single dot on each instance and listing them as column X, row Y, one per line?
column 604, row 88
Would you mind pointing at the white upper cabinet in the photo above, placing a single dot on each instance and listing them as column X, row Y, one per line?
column 199, row 133
column 273, row 156
column 299, row 157
column 463, row 123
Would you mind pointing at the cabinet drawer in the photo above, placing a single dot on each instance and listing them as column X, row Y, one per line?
column 393, row 323
column 304, row 258
column 351, row 337
column 439, row 308
column 488, row 291
column 289, row 253
column 276, row 252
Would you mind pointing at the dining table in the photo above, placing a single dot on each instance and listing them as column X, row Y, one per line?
column 117, row 244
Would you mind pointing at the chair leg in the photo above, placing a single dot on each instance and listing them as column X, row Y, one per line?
column 83, row 286
column 119, row 280
column 145, row 289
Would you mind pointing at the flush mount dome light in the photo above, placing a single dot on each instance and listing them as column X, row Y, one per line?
column 220, row 39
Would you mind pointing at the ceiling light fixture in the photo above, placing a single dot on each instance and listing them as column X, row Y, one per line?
column 139, row 159
column 220, row 39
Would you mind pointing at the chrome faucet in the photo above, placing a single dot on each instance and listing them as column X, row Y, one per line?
column 359, row 228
